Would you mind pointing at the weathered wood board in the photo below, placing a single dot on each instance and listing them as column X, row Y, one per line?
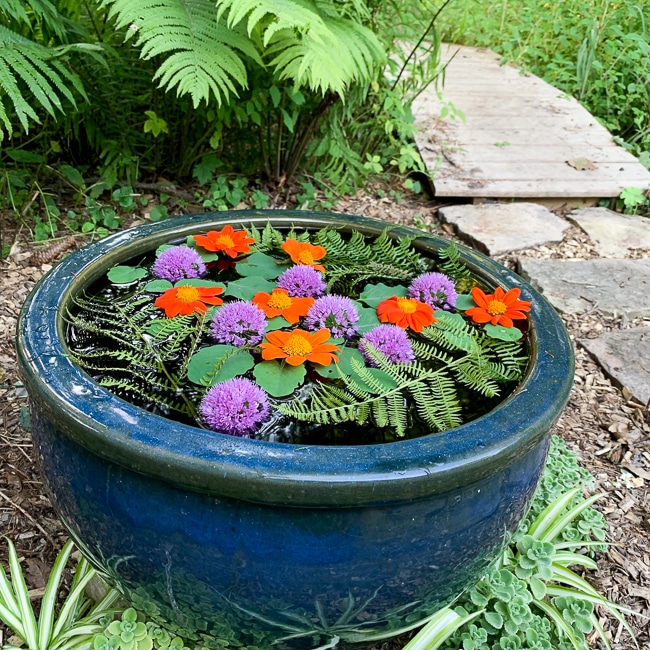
column 521, row 137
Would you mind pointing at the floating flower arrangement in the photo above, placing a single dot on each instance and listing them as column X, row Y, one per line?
column 307, row 337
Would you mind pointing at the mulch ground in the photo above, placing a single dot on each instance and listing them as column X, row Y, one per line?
column 610, row 432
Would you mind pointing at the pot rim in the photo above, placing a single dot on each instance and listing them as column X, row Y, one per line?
column 268, row 472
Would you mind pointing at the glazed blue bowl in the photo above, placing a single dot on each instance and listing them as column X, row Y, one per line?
column 249, row 541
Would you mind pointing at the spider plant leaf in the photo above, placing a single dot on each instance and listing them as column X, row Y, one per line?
column 9, row 610
column 562, row 522
column 345, row 617
column 320, row 611
column 25, row 611
column 567, row 559
column 439, row 628
column 72, row 605
column 599, row 628
column 546, row 518
column 49, row 601
column 556, row 617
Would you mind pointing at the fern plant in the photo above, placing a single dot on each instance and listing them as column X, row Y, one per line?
column 33, row 71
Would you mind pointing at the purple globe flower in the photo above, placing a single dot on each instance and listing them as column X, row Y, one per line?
column 236, row 407
column 302, row 281
column 177, row 263
column 337, row 313
column 435, row 289
column 390, row 340
column 239, row 323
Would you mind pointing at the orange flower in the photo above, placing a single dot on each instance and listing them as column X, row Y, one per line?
column 498, row 308
column 304, row 253
column 298, row 346
column 230, row 241
column 187, row 299
column 280, row 303
column 406, row 312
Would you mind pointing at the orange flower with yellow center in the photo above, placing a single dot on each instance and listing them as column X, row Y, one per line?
column 406, row 313
column 280, row 303
column 187, row 299
column 498, row 308
column 227, row 240
column 304, row 253
column 299, row 346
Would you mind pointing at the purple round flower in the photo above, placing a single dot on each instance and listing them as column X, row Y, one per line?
column 236, row 407
column 239, row 323
column 301, row 281
column 435, row 289
column 177, row 263
column 337, row 313
column 390, row 340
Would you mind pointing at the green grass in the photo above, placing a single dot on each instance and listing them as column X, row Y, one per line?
column 596, row 51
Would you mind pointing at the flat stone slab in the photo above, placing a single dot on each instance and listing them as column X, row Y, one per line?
column 613, row 287
column 614, row 234
column 624, row 355
column 498, row 228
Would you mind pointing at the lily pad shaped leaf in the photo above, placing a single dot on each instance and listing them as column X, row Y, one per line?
column 246, row 288
column 163, row 247
column 125, row 274
column 276, row 323
column 215, row 364
column 158, row 286
column 503, row 333
column 368, row 319
column 261, row 265
column 373, row 294
column 464, row 302
column 198, row 282
column 279, row 379
column 334, row 370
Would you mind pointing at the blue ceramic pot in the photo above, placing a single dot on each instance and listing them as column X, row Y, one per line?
column 256, row 541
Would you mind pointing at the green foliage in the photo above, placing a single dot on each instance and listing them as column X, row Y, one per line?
column 63, row 627
column 597, row 51
column 138, row 351
column 530, row 599
column 33, row 72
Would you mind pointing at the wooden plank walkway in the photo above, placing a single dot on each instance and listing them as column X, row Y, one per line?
column 518, row 137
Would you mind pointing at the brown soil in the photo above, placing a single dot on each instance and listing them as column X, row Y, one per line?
column 610, row 432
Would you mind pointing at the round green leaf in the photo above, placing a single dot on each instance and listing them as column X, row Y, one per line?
column 158, row 286
column 464, row 301
column 215, row 364
column 276, row 323
column 163, row 247
column 247, row 287
column 373, row 294
column 261, row 265
column 368, row 320
column 279, row 379
column 334, row 370
column 198, row 282
column 503, row 333
column 126, row 274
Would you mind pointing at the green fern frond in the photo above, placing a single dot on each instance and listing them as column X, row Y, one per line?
column 266, row 240
column 202, row 57
column 310, row 43
column 46, row 78
column 452, row 265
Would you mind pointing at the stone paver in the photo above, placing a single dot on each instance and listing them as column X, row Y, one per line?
column 613, row 287
column 498, row 228
column 625, row 356
column 615, row 235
